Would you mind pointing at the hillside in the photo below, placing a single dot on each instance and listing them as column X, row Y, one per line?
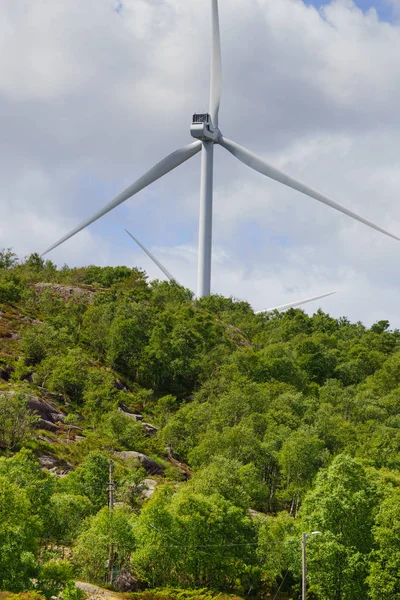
column 230, row 434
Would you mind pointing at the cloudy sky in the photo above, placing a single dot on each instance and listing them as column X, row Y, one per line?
column 93, row 93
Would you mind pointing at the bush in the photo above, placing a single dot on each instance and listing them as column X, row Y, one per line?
column 15, row 420
column 54, row 576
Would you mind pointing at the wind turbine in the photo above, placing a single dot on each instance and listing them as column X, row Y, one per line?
column 153, row 258
column 283, row 307
column 205, row 130
column 258, row 312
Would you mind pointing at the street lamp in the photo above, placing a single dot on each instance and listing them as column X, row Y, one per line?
column 304, row 537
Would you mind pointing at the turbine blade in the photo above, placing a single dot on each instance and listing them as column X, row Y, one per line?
column 163, row 167
column 293, row 304
column 216, row 65
column 153, row 258
column 258, row 164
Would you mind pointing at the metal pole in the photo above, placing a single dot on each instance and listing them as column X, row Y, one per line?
column 304, row 567
column 111, row 508
column 111, row 486
column 205, row 221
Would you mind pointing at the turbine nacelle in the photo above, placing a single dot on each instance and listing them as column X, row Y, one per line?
column 202, row 128
column 205, row 130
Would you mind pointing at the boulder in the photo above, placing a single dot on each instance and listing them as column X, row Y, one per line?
column 45, row 410
column 149, row 429
column 5, row 372
column 129, row 413
column 150, row 465
column 148, row 489
column 47, row 462
column 47, row 425
column 126, row 582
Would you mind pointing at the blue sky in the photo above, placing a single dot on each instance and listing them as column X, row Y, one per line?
column 384, row 8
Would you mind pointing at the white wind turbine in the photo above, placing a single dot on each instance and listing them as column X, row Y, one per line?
column 205, row 129
column 258, row 312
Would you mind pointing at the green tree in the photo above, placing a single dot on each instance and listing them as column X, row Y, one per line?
column 342, row 506
column 54, row 576
column 8, row 258
column 16, row 422
column 300, row 458
column 193, row 540
column 90, row 479
column 92, row 549
column 384, row 577
column 18, row 538
column 66, row 374
column 66, row 515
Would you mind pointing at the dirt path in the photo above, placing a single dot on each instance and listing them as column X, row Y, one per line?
column 94, row 592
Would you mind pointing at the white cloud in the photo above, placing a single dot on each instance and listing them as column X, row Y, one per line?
column 91, row 98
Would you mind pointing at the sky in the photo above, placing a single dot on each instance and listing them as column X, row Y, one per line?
column 93, row 94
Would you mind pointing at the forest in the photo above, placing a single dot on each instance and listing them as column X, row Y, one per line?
column 220, row 435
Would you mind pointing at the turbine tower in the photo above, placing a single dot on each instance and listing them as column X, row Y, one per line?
column 205, row 129
column 280, row 308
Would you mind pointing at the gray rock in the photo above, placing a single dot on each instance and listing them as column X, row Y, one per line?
column 130, row 413
column 126, row 582
column 149, row 429
column 150, row 465
column 47, row 462
column 47, row 425
column 44, row 409
column 148, row 489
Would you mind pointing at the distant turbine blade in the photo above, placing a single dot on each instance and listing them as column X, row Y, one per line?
column 163, row 167
column 216, row 65
column 293, row 304
column 153, row 258
column 258, row 164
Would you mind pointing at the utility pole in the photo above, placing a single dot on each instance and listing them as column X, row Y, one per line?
column 110, row 510
column 111, row 487
column 304, row 537
column 304, row 566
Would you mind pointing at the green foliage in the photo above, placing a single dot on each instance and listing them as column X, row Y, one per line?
column 342, row 506
column 8, row 258
column 90, row 479
column 15, row 420
column 11, row 288
column 179, row 594
column 54, row 575
column 65, row 374
column 24, row 470
column 66, row 515
column 92, row 549
column 125, row 431
column 294, row 417
column 197, row 541
column 384, row 577
column 18, row 542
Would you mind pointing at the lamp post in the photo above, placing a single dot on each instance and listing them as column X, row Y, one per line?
column 304, row 537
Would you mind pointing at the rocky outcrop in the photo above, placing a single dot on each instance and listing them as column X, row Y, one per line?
column 66, row 292
column 149, row 429
column 150, row 465
column 54, row 466
column 5, row 372
column 148, row 488
column 47, row 412
column 126, row 582
column 129, row 413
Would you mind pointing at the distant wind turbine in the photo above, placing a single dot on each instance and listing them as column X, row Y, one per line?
column 153, row 258
column 173, row 279
column 294, row 304
column 205, row 130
